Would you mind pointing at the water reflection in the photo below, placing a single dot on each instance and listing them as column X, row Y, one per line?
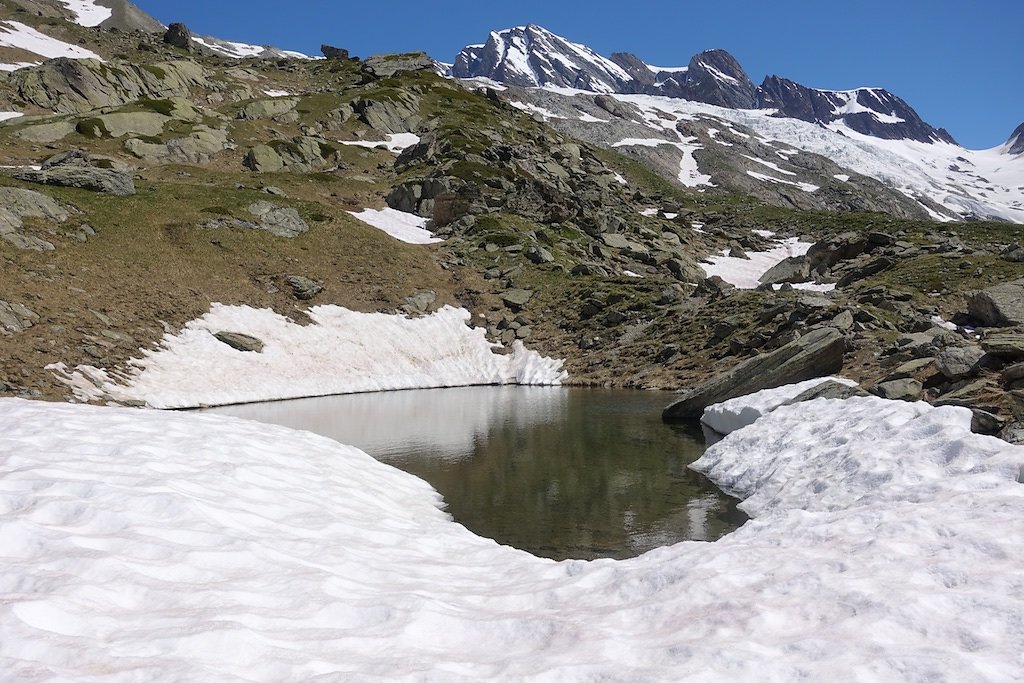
column 562, row 473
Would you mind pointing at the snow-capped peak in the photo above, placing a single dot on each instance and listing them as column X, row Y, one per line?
column 533, row 56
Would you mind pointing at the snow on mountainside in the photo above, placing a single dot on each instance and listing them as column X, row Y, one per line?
column 33, row 46
column 871, row 111
column 533, row 56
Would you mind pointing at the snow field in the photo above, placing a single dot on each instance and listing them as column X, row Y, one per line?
column 87, row 12
column 396, row 142
column 405, row 227
column 17, row 35
column 341, row 352
column 887, row 545
column 745, row 273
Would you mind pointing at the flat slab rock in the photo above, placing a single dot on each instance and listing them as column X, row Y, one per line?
column 816, row 354
column 999, row 306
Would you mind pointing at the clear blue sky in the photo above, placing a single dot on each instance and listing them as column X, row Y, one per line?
column 959, row 64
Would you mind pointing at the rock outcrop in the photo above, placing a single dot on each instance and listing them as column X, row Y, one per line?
column 816, row 354
column 999, row 306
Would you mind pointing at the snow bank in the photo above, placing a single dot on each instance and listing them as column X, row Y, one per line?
column 887, row 545
column 87, row 12
column 341, row 352
column 745, row 273
column 18, row 35
column 396, row 142
column 728, row 416
column 406, row 227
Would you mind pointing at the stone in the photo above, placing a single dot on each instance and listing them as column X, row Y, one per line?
column 960, row 362
column 829, row 389
column 240, row 342
column 386, row 66
column 816, row 354
column 998, row 306
column 516, row 298
column 906, row 389
column 539, row 255
column 1006, row 345
column 81, row 170
column 792, row 269
column 16, row 204
column 263, row 159
column 267, row 109
column 16, row 318
column 119, row 124
column 197, row 148
column 303, row 288
column 984, row 422
column 179, row 36
column 331, row 52
column 1013, row 373
column 910, row 368
column 420, row 302
column 278, row 220
column 824, row 254
column 842, row 322
column 1013, row 433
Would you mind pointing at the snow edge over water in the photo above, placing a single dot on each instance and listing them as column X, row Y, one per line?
column 340, row 352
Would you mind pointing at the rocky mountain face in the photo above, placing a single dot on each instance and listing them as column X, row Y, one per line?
column 532, row 56
column 870, row 111
column 1015, row 145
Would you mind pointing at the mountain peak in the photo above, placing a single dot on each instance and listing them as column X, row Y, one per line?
column 531, row 55
column 1015, row 145
column 869, row 111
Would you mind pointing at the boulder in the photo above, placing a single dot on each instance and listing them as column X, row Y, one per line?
column 16, row 318
column 792, row 269
column 278, row 220
column 119, row 124
column 1006, row 344
column 516, row 298
column 396, row 115
column 179, row 36
column 78, row 169
column 1013, row 433
column 197, row 148
column 826, row 253
column 830, row 389
column 240, row 342
column 263, row 159
column 331, row 52
column 960, row 362
column 16, row 204
column 999, row 306
column 816, row 354
column 386, row 66
column 268, row 109
column 303, row 288
column 906, row 389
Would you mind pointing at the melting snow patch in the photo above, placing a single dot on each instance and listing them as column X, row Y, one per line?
column 842, row 177
column 230, row 48
column 406, row 227
column 8, row 115
column 276, row 93
column 341, row 352
column 887, row 544
column 806, row 187
column 809, row 286
column 534, row 109
column 689, row 173
column 87, row 12
column 745, row 273
column 396, row 142
column 18, row 35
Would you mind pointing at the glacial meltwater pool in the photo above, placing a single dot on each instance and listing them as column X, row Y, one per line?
column 559, row 472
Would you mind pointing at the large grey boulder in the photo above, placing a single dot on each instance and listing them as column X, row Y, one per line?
column 263, row 159
column 792, row 269
column 15, row 318
column 268, row 109
column 84, row 176
column 960, row 362
column 178, row 35
column 386, row 66
column 240, row 341
column 999, row 306
column 816, row 354
column 16, row 204
column 278, row 220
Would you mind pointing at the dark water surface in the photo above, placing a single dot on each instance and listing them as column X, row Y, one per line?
column 559, row 472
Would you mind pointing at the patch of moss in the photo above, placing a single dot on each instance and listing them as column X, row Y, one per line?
column 165, row 107
column 92, row 128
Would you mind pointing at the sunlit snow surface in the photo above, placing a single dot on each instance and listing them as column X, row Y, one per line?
column 17, row 35
column 964, row 182
column 745, row 272
column 887, row 545
column 87, row 12
column 406, row 227
column 341, row 352
column 396, row 142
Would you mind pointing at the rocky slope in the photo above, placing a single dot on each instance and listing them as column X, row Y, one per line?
column 158, row 181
